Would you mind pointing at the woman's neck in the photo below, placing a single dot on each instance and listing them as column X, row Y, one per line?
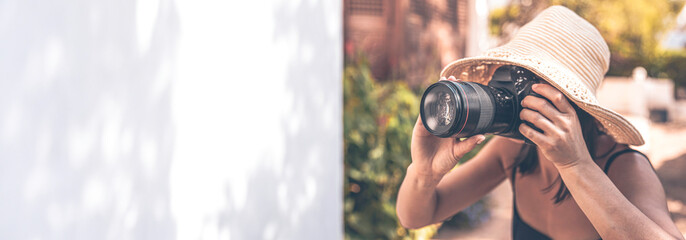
column 547, row 170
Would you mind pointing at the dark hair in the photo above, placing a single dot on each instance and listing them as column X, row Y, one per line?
column 527, row 159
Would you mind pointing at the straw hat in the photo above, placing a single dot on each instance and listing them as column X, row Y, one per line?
column 566, row 51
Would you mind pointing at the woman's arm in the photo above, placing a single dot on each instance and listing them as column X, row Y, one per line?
column 424, row 199
column 639, row 213
column 642, row 216
column 426, row 196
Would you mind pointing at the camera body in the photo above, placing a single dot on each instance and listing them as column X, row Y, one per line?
column 463, row 109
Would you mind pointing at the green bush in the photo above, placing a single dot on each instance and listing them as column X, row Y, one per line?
column 378, row 119
column 670, row 64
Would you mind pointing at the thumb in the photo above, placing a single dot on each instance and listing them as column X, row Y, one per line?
column 460, row 148
column 419, row 128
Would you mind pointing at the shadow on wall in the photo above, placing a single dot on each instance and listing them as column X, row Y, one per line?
column 85, row 132
column 301, row 196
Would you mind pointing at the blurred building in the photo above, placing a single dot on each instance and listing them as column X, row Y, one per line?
column 411, row 39
column 642, row 96
column 642, row 100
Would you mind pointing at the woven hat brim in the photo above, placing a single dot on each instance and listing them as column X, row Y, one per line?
column 480, row 69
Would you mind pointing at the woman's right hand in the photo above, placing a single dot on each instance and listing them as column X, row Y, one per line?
column 432, row 156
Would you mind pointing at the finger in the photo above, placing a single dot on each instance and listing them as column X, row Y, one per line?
column 537, row 120
column 452, row 78
column 533, row 135
column 460, row 148
column 543, row 107
column 419, row 129
column 555, row 96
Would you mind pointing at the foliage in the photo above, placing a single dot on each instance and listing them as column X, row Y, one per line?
column 632, row 29
column 670, row 64
column 378, row 121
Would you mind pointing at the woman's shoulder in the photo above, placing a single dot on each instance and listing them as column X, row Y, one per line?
column 505, row 145
column 632, row 173
column 607, row 151
column 506, row 149
column 626, row 167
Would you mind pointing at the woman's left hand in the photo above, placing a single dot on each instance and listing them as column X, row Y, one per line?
column 562, row 141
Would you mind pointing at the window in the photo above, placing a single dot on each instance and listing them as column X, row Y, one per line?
column 366, row 7
column 450, row 15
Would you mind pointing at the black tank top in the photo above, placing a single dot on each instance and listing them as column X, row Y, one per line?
column 522, row 230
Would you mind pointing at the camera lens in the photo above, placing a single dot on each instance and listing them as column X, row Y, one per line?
column 440, row 105
column 463, row 109
column 458, row 109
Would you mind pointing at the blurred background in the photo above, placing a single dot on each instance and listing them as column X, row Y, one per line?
column 171, row 119
column 395, row 49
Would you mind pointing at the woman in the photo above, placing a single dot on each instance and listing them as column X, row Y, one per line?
column 579, row 181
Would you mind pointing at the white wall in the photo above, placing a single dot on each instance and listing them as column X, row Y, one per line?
column 169, row 119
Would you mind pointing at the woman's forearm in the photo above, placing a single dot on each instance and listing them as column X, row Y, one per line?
column 417, row 199
column 610, row 212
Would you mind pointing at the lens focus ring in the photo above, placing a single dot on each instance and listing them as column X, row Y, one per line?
column 486, row 106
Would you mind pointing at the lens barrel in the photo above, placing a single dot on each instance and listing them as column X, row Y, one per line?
column 462, row 109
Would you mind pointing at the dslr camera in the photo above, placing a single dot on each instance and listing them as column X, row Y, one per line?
column 464, row 109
